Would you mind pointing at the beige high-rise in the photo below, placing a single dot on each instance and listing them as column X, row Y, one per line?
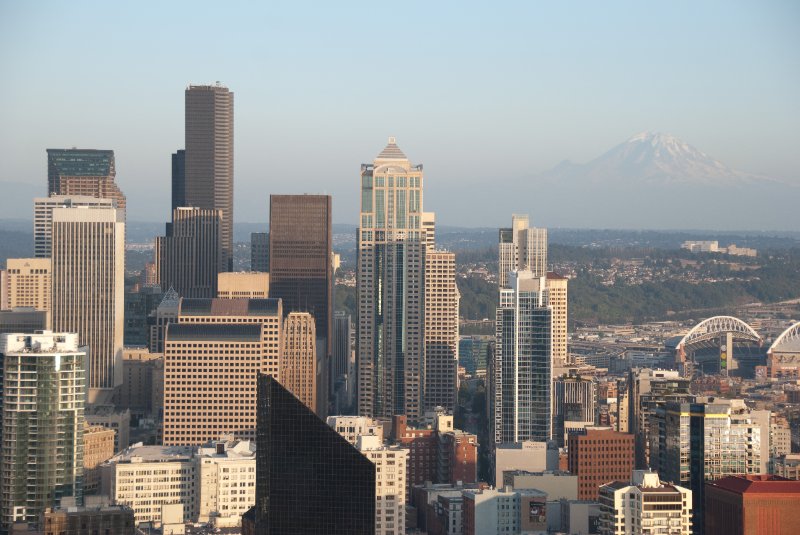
column 441, row 330
column 521, row 248
column 88, row 263
column 299, row 359
column 43, row 217
column 29, row 284
column 211, row 359
column 557, row 299
column 208, row 179
column 245, row 284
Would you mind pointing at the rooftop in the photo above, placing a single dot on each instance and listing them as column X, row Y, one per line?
column 757, row 484
column 250, row 332
column 391, row 152
column 139, row 453
column 229, row 307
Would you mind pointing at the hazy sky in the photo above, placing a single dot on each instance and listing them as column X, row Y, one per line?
column 476, row 92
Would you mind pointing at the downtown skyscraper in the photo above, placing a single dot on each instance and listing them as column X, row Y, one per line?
column 203, row 175
column 390, row 286
column 88, row 172
column 521, row 376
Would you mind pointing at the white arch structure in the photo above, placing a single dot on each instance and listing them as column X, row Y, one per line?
column 711, row 328
column 789, row 335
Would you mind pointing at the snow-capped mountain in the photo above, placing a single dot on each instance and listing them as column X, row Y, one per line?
column 653, row 159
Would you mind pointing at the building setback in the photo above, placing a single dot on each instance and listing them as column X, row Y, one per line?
column 310, row 479
column 208, row 160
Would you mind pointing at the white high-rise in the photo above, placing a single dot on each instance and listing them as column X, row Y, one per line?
column 88, row 266
column 522, row 368
column 43, row 217
column 521, row 248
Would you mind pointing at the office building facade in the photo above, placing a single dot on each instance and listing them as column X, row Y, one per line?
column 298, row 364
column 88, row 172
column 310, row 479
column 574, row 400
column 208, row 160
column 598, row 456
column 259, row 251
column 29, row 283
column 88, row 263
column 752, row 505
column 43, row 217
column 441, row 330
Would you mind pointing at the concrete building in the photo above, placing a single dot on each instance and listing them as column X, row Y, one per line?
column 557, row 295
column 441, row 330
column 42, row 396
column 752, row 505
column 43, row 217
column 497, row 512
column 259, row 252
column 352, row 427
column 645, row 506
column 227, row 482
column 88, row 248
column 597, row 457
column 189, row 257
column 148, row 478
column 117, row 420
column 301, row 270
column 527, row 456
column 22, row 320
column 558, row 485
column 521, row 386
column 142, row 389
column 208, row 164
column 390, row 484
column 390, row 287
column 89, row 520
column 787, row 466
column 140, row 303
column 29, row 284
column 214, row 353
column 98, row 447
column 298, row 361
column 521, row 248
column 577, row 516
column 243, row 284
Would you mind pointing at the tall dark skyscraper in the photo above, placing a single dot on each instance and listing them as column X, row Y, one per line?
column 208, row 171
column 300, row 270
column 259, row 251
column 310, row 479
column 179, row 179
column 189, row 257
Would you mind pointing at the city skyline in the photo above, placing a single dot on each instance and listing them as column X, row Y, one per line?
column 513, row 129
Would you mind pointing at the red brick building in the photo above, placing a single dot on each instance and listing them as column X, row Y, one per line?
column 441, row 454
column 598, row 457
column 752, row 505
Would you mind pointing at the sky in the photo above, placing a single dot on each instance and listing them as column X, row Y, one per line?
column 477, row 92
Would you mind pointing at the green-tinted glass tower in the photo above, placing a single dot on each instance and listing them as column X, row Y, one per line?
column 41, row 458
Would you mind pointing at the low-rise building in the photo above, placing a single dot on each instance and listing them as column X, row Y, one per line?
column 352, row 427
column 145, row 478
column 390, row 484
column 752, row 505
column 227, row 476
column 100, row 519
column 645, row 505
column 98, row 447
column 499, row 512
